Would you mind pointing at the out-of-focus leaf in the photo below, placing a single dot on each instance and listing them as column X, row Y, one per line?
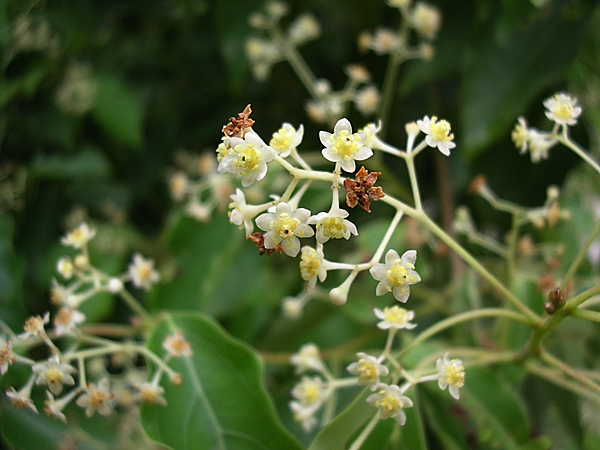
column 12, row 271
column 90, row 162
column 222, row 403
column 444, row 419
column 501, row 79
column 119, row 111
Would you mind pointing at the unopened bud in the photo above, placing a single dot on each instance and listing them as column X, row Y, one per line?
column 557, row 297
column 81, row 262
column 550, row 308
column 177, row 380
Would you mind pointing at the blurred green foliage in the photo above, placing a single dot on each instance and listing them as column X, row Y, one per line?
column 97, row 96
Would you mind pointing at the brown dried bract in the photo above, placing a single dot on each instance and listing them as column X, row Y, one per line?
column 478, row 182
column 360, row 190
column 236, row 126
column 259, row 242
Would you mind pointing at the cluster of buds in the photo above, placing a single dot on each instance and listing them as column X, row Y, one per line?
column 83, row 354
column 556, row 300
column 311, row 393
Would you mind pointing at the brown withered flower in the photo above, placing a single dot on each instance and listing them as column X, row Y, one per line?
column 236, row 126
column 361, row 189
column 259, row 242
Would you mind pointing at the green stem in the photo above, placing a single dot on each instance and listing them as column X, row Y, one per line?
column 135, row 306
column 464, row 317
column 581, row 255
column 389, row 84
column 586, row 314
column 410, row 164
column 569, row 371
column 512, row 249
column 553, row 377
column 564, row 140
column 364, row 434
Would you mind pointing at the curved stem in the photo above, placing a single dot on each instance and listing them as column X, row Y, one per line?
column 410, row 164
column 389, row 84
column 564, row 140
column 364, row 434
column 569, row 371
column 581, row 255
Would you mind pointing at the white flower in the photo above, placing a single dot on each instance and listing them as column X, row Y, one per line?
column 426, row 19
column 54, row 374
column 539, row 143
column 308, row 358
column 304, row 414
column 311, row 266
column 65, row 267
column 7, row 356
column 286, row 139
column 178, row 185
column 310, row 391
column 53, row 408
column 292, row 307
column 66, row 320
column 198, row 210
column 304, row 29
column 438, row 134
column 241, row 213
column 451, row 373
column 396, row 275
column 142, row 272
column 21, row 399
column 285, row 227
column 520, row 135
column 385, row 41
column 79, row 237
column 114, row 285
column 97, row 398
column 34, row 326
column 176, row 345
column 248, row 158
column 395, row 317
column 150, row 393
column 368, row 370
column 367, row 100
column 562, row 109
column 343, row 146
column 333, row 225
column 391, row 402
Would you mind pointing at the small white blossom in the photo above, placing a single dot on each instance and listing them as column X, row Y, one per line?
column 343, row 146
column 66, row 320
column 65, row 267
column 438, row 134
column 97, row 398
column 150, row 393
column 241, row 213
column 248, row 158
column 310, row 391
column 333, row 225
column 426, row 19
column 54, row 407
column 368, row 370
column 312, row 267
column 384, row 41
column 304, row 414
column 114, row 285
column 520, row 134
column 286, row 139
column 7, row 356
column 539, row 143
column 451, row 374
column 34, row 326
column 142, row 272
column 198, row 210
column 562, row 109
column 367, row 100
column 21, row 399
column 176, row 345
column 292, row 307
column 54, row 374
column 396, row 275
column 285, row 227
column 391, row 402
column 178, row 185
column 305, row 28
column 80, row 236
column 308, row 358
column 395, row 317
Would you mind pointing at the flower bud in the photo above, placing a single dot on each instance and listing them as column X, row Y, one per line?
column 177, row 380
column 81, row 262
column 550, row 308
column 557, row 297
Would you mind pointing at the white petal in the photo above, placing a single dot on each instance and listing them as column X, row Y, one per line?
column 409, row 257
column 381, row 288
column 348, row 165
column 363, row 153
column 401, row 293
column 302, row 214
column 283, row 208
column 325, row 136
column 329, row 155
column 291, row 246
column 264, row 221
column 341, row 125
column 378, row 271
column 391, row 256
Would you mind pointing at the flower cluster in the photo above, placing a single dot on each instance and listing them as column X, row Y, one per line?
column 70, row 367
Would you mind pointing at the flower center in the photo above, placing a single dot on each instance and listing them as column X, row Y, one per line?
column 440, row 130
column 388, row 403
column 367, row 371
column 455, row 374
column 281, row 140
column 333, row 227
column 309, row 265
column 53, row 376
column 97, row 399
column 309, row 393
column 285, row 226
column 346, row 145
column 394, row 315
column 248, row 158
column 399, row 275
column 563, row 110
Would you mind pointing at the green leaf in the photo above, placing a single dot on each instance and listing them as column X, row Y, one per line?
column 443, row 420
column 502, row 78
column 118, row 111
column 222, row 403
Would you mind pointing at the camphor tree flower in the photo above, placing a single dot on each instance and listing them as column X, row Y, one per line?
column 310, row 391
column 22, row 398
column 395, row 318
column 54, row 374
column 97, row 397
column 308, row 358
column 333, row 224
column 248, row 158
column 311, row 266
column 396, row 275
column 368, row 370
column 438, row 134
column 7, row 356
column 241, row 213
column 426, row 20
column 562, row 109
column 286, row 139
column 343, row 146
column 65, row 267
column 142, row 273
column 66, row 320
column 150, row 393
column 176, row 345
column 34, row 326
column 284, row 227
column 79, row 237
column 391, row 402
column 54, row 407
column 451, row 374
column 304, row 414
